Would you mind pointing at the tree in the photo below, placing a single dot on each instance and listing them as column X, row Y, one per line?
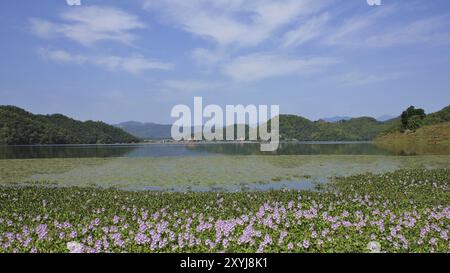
column 412, row 118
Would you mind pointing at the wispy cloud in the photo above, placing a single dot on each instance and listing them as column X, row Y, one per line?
column 88, row 25
column 370, row 30
column 206, row 57
column 256, row 67
column 237, row 22
column 306, row 31
column 432, row 31
column 134, row 64
column 357, row 26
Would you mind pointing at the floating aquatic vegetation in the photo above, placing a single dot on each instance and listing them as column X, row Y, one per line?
column 402, row 211
column 204, row 172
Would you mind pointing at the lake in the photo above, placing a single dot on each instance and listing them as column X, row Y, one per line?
column 202, row 166
column 195, row 149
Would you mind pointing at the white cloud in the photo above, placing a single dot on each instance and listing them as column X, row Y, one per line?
column 207, row 57
column 358, row 26
column 88, row 25
column 134, row 64
column 63, row 56
column 259, row 66
column 307, row 31
column 370, row 30
column 240, row 23
column 433, row 30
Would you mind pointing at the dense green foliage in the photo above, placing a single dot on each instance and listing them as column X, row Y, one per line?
column 417, row 127
column 404, row 211
column 299, row 128
column 356, row 129
column 412, row 118
column 19, row 127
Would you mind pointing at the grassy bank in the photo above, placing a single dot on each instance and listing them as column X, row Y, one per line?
column 403, row 211
column 430, row 139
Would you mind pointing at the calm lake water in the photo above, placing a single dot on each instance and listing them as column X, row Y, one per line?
column 159, row 150
column 206, row 167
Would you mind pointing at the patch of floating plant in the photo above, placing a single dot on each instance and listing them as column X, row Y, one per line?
column 222, row 172
column 352, row 214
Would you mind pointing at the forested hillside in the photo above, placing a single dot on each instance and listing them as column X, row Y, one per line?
column 356, row 129
column 19, row 127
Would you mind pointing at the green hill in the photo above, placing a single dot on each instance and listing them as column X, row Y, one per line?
column 413, row 119
column 438, row 117
column 430, row 131
column 429, row 134
column 356, row 129
column 429, row 139
column 19, row 127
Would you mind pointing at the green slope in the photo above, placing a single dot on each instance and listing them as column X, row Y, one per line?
column 429, row 134
column 438, row 117
column 356, row 129
column 429, row 139
column 19, row 127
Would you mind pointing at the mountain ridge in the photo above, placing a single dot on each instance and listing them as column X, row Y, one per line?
column 17, row 126
column 146, row 130
column 20, row 127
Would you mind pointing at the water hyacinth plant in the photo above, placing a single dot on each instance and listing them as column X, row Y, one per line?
column 401, row 211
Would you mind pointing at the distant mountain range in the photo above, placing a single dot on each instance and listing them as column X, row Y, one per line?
column 146, row 130
column 386, row 117
column 336, row 118
column 341, row 118
column 153, row 131
column 19, row 127
column 291, row 127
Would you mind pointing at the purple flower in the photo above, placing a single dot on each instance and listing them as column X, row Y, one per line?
column 41, row 231
column 73, row 234
column 141, row 239
column 305, row 244
column 75, row 247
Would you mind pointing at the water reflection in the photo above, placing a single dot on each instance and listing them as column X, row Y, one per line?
column 298, row 148
column 408, row 149
column 203, row 149
column 76, row 151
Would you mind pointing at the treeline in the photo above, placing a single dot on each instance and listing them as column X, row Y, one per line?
column 420, row 133
column 356, row 129
column 414, row 118
column 19, row 127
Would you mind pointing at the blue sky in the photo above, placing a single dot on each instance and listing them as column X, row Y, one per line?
column 134, row 60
